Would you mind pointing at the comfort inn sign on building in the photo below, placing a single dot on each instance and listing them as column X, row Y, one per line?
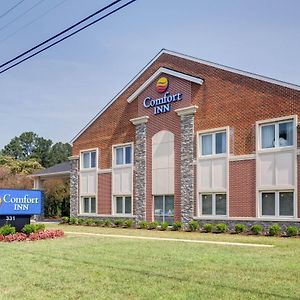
column 20, row 202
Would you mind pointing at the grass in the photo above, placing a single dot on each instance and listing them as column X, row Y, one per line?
column 86, row 267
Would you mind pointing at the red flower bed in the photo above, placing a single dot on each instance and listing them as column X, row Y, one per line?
column 41, row 235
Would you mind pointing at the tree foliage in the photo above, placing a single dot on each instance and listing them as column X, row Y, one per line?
column 30, row 146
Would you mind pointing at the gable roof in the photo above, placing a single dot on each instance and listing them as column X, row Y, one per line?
column 197, row 60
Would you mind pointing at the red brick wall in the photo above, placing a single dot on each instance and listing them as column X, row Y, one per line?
column 104, row 193
column 298, row 187
column 242, row 194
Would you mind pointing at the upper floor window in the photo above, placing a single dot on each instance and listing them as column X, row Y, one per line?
column 123, row 155
column 88, row 160
column 275, row 135
column 213, row 143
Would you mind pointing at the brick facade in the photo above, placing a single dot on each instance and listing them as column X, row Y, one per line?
column 224, row 99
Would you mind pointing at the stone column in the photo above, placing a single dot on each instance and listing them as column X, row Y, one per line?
column 186, row 163
column 74, row 180
column 140, row 167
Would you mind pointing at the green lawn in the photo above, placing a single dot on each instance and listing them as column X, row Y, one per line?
column 88, row 267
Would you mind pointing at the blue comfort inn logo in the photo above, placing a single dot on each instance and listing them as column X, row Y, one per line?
column 25, row 202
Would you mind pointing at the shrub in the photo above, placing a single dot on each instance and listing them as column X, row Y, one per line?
column 221, row 227
column 193, row 225
column 29, row 228
column 7, row 230
column 65, row 220
column 107, row 223
column 143, row 224
column 256, row 229
column 118, row 223
column 73, row 221
column 177, row 225
column 98, row 222
column 291, row 231
column 81, row 221
column 89, row 222
column 207, row 227
column 239, row 228
column 164, row 226
column 274, row 229
column 40, row 227
column 128, row 223
column 152, row 225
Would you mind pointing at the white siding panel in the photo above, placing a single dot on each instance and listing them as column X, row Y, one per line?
column 126, row 181
column 219, row 174
column 91, row 183
column 205, row 174
column 160, row 182
column 267, row 169
column 84, row 183
column 285, row 168
column 117, row 181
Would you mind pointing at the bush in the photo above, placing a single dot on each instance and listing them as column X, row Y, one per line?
column 89, row 222
column 164, row 226
column 207, row 227
column 98, row 222
column 193, row 225
column 40, row 227
column 221, row 227
column 274, row 229
column 65, row 220
column 81, row 221
column 128, row 223
column 107, row 223
column 239, row 228
column 30, row 228
column 7, row 230
column 73, row 221
column 177, row 225
column 152, row 225
column 118, row 223
column 256, row 229
column 143, row 224
column 291, row 231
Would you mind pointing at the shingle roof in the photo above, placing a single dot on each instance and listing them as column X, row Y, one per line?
column 59, row 169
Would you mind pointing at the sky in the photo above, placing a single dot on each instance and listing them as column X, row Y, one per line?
column 58, row 92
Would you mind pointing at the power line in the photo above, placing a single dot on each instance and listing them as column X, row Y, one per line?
column 10, row 9
column 60, row 33
column 31, row 22
column 71, row 34
column 21, row 15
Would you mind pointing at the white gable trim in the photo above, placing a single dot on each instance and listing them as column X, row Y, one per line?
column 191, row 58
column 157, row 73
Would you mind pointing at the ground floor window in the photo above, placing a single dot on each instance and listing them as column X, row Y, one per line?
column 164, row 209
column 88, row 205
column 122, row 205
column 277, row 204
column 213, row 204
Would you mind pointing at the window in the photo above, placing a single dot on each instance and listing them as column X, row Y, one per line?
column 277, row 135
column 123, row 155
column 213, row 143
column 213, row 204
column 277, row 204
column 164, row 209
column 88, row 205
column 88, row 160
column 122, row 205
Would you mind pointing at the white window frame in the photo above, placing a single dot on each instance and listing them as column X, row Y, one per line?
column 213, row 132
column 276, row 122
column 214, row 215
column 123, row 205
column 89, row 151
column 90, row 201
column 277, row 206
column 114, row 155
column 164, row 205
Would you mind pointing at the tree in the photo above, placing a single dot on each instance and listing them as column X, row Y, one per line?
column 30, row 146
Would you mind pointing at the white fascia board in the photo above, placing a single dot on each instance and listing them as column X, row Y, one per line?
column 165, row 71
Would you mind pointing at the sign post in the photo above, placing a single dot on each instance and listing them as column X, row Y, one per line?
column 17, row 206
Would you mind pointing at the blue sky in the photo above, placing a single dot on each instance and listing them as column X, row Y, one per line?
column 56, row 93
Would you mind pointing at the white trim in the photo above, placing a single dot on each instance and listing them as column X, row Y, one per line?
column 157, row 73
column 105, row 215
column 123, row 214
column 73, row 157
column 248, row 219
column 50, row 174
column 140, row 120
column 104, row 171
column 242, row 157
column 298, row 151
column 186, row 110
column 187, row 57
